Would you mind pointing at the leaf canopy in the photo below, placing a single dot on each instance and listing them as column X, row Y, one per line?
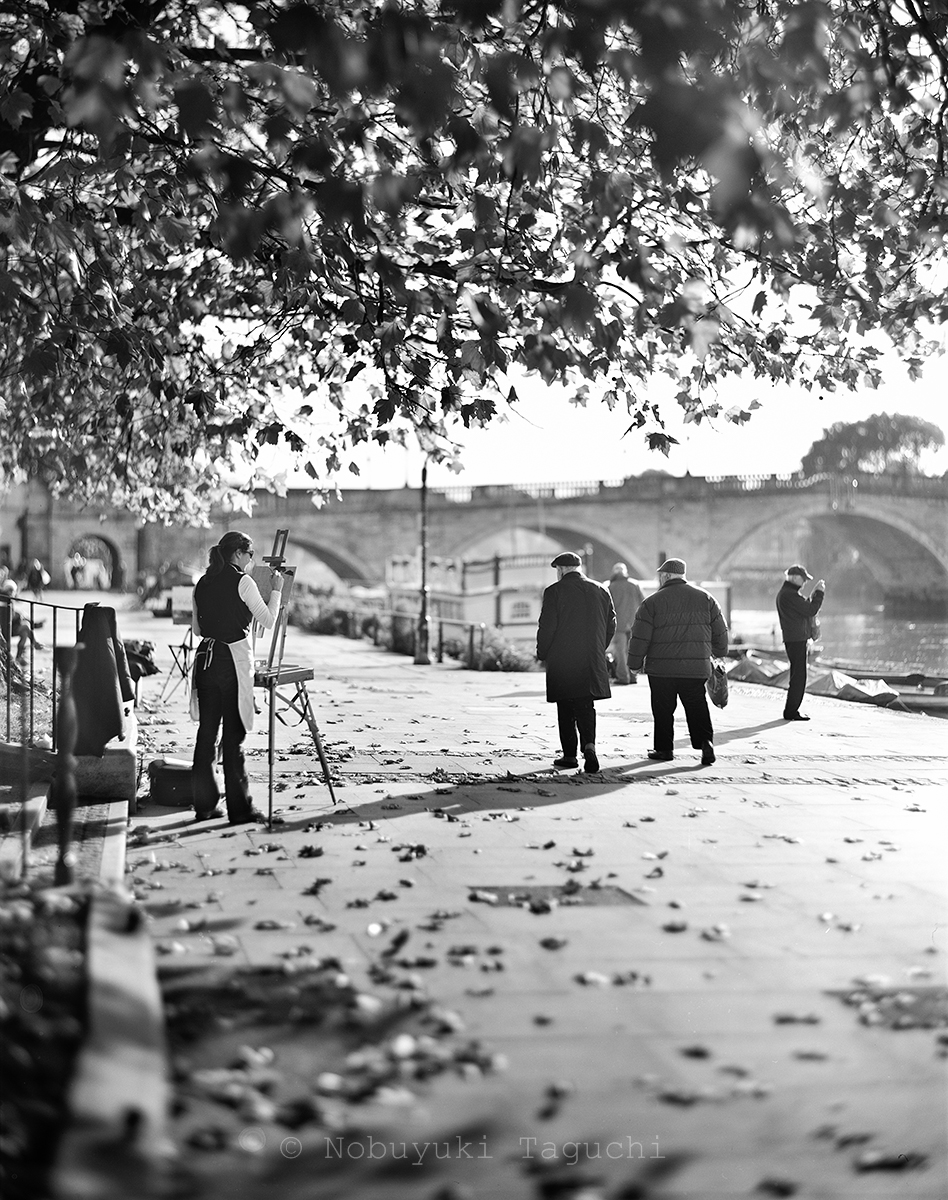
column 314, row 225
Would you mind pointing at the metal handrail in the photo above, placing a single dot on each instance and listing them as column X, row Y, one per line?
column 23, row 674
column 475, row 631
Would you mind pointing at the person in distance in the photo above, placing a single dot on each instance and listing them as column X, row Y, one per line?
column 626, row 596
column 795, row 613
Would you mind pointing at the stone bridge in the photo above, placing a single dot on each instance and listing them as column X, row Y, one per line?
column 897, row 523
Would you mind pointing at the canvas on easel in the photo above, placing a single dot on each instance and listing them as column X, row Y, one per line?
column 263, row 578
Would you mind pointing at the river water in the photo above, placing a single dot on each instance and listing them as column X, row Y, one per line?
column 867, row 639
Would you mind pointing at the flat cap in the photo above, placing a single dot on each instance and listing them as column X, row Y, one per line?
column 796, row 569
column 567, row 559
column 673, row 566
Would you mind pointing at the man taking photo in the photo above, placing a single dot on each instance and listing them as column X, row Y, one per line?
column 796, row 613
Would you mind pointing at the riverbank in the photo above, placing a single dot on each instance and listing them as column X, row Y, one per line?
column 872, row 641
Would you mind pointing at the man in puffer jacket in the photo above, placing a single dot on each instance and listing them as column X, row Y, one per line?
column 676, row 631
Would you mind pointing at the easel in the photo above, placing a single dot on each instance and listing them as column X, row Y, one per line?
column 275, row 674
column 183, row 655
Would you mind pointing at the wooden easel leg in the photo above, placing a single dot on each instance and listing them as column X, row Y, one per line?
column 310, row 718
column 271, row 750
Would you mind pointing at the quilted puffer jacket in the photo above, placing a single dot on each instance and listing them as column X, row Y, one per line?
column 676, row 631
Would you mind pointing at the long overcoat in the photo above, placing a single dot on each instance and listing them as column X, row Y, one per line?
column 577, row 623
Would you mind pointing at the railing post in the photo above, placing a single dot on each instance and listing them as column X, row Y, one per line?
column 441, row 641
column 24, row 794
column 480, row 661
column 63, row 789
column 470, row 647
column 6, row 640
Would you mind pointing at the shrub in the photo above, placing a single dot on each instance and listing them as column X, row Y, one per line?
column 317, row 616
column 454, row 647
column 498, row 654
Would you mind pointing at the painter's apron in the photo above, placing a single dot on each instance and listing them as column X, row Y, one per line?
column 242, row 653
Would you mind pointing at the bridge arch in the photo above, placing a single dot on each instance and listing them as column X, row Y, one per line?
column 896, row 552
column 571, row 536
column 93, row 561
column 341, row 562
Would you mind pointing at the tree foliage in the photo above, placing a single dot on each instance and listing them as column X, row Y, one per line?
column 315, row 224
column 879, row 443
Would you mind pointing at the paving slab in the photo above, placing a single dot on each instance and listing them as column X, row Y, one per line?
column 709, row 1016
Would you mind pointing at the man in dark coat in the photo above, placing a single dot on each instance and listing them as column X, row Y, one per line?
column 796, row 613
column 676, row 631
column 577, row 623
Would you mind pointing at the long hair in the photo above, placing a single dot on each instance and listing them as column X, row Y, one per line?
column 225, row 549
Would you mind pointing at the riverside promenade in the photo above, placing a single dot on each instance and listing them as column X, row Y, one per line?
column 478, row 977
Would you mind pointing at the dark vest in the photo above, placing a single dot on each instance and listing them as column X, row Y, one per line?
column 221, row 612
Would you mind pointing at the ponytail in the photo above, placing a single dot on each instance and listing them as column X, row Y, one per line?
column 224, row 551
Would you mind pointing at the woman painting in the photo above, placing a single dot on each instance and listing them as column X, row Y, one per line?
column 226, row 601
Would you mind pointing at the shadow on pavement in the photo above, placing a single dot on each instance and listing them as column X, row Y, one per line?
column 498, row 793
column 747, row 731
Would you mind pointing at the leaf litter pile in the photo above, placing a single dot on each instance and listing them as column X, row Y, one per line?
column 42, row 1021
column 301, row 1048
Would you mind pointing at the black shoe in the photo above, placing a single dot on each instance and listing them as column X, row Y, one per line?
column 795, row 717
column 707, row 754
column 590, row 761
column 209, row 816
column 562, row 764
column 254, row 815
column 660, row 756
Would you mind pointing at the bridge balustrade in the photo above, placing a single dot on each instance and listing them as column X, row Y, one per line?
column 887, row 483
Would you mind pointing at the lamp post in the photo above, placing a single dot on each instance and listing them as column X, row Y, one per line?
column 421, row 637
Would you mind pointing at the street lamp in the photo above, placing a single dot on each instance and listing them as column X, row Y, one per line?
column 421, row 636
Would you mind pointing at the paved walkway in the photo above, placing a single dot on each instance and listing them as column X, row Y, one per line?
column 700, row 983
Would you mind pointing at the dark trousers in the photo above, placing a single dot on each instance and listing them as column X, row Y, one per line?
column 573, row 715
column 665, row 694
column 216, row 682
column 796, row 653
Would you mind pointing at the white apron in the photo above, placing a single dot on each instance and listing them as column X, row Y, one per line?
column 242, row 653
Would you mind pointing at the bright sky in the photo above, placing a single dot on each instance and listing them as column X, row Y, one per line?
column 547, row 439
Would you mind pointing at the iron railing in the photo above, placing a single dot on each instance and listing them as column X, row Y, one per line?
column 52, row 625
column 402, row 629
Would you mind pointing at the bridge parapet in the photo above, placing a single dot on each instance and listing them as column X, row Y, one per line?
column 695, row 486
column 644, row 487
